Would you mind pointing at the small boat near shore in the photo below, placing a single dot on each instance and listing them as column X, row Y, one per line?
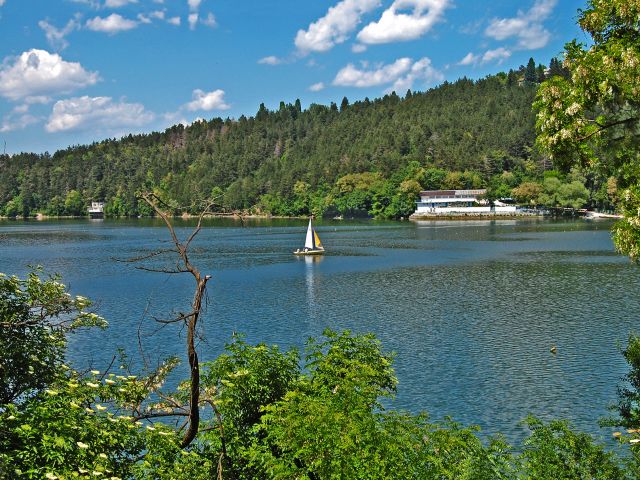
column 312, row 244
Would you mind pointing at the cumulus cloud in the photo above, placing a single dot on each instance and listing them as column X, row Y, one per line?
column 194, row 4
column 525, row 26
column 358, row 48
column 469, row 59
column 210, row 21
column 270, row 60
column 207, row 101
column 316, row 87
column 396, row 25
column 1, row 3
column 96, row 113
column 56, row 37
column 157, row 14
column 18, row 119
column 174, row 21
column 38, row 73
column 118, row 3
column 335, row 27
column 11, row 123
column 112, row 24
column 143, row 19
column 499, row 54
column 193, row 20
column 399, row 75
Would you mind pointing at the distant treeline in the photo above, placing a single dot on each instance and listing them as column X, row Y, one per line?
column 369, row 157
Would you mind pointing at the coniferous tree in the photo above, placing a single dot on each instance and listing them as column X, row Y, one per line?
column 530, row 72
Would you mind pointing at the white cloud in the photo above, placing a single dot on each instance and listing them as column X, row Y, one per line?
column 210, row 20
column 118, row 3
column 499, row 54
column 1, row 3
column 335, row 27
column 56, row 37
column 91, row 3
column 270, row 60
column 400, row 75
column 112, row 24
column 207, row 101
column 469, row 59
column 525, row 26
column 194, row 4
column 358, row 48
column 395, row 25
column 11, row 123
column 40, row 73
column 143, row 19
column 193, row 20
column 96, row 113
column 316, row 87
column 162, row 15
column 422, row 71
column 18, row 119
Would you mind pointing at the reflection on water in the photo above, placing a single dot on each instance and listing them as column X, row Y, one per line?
column 470, row 308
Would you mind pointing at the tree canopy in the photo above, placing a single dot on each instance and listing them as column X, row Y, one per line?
column 294, row 161
column 592, row 117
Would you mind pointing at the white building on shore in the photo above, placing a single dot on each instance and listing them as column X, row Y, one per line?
column 459, row 202
column 96, row 210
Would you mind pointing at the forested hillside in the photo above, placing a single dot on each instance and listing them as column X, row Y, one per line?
column 368, row 157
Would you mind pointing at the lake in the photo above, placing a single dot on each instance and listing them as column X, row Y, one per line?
column 471, row 308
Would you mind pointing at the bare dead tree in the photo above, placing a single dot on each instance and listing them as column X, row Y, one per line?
column 190, row 320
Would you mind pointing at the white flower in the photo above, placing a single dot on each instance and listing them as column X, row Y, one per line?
column 82, row 445
column 573, row 109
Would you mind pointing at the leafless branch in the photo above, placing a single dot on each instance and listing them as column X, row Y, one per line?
column 184, row 265
column 147, row 416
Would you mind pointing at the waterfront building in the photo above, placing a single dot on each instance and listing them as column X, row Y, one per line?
column 459, row 202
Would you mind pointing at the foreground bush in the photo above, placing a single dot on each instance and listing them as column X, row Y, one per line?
column 265, row 413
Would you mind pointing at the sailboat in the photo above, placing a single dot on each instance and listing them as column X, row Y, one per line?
column 312, row 245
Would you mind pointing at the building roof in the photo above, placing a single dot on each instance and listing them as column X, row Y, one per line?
column 453, row 193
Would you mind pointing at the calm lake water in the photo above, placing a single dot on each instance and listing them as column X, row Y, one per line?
column 470, row 308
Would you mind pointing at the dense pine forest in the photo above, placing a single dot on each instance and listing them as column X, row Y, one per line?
column 368, row 157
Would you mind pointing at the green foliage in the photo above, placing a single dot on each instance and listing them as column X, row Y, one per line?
column 35, row 317
column 244, row 380
column 13, row 208
column 592, row 117
column 257, row 161
column 67, row 431
column 527, row 192
column 559, row 194
column 268, row 414
column 74, row 204
column 554, row 452
column 628, row 407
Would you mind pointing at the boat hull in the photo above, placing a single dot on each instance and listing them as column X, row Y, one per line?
column 309, row 252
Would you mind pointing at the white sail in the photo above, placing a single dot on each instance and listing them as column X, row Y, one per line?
column 309, row 241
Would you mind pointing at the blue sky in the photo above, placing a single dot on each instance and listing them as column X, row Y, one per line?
column 77, row 71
